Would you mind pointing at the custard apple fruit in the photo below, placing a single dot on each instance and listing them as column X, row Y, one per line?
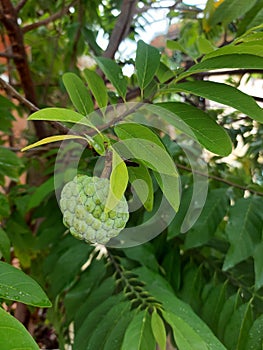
column 82, row 204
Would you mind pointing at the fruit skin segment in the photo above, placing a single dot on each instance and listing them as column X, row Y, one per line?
column 82, row 203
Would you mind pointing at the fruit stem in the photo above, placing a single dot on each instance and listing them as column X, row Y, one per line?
column 108, row 165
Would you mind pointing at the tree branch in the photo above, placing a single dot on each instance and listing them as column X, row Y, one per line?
column 33, row 108
column 229, row 72
column 20, row 5
column 220, row 179
column 121, row 28
column 8, row 55
column 146, row 8
column 48, row 20
column 8, row 17
column 257, row 98
column 11, row 91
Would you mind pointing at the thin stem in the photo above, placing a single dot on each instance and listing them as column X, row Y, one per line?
column 20, row 5
column 48, row 20
column 220, row 179
column 139, row 294
column 32, row 107
column 108, row 165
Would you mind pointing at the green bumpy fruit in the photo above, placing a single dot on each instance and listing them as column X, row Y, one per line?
column 82, row 204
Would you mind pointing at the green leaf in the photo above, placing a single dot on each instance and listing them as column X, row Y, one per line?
column 61, row 115
column 146, row 63
column 225, row 61
column 213, row 304
column 238, row 326
column 144, row 254
column 141, row 182
column 90, row 37
column 162, row 291
column 97, row 142
column 118, row 181
column 52, row 139
column 250, row 48
column 13, row 335
column 204, row 45
column 92, row 319
column 97, row 87
column 186, row 338
column 170, row 186
column 258, row 265
column 212, row 214
column 41, row 193
column 158, row 330
column 16, row 285
column 175, row 227
column 68, row 256
column 243, row 230
column 78, row 93
column 84, row 287
column 101, row 334
column 114, row 73
column 150, row 90
column 139, row 334
column 4, row 245
column 253, row 18
column 224, row 94
column 139, row 132
column 227, row 311
column 172, row 266
column 136, row 131
column 10, row 164
column 4, row 206
column 116, row 335
column 174, row 45
column 103, row 292
column 164, row 73
column 148, row 152
column 156, row 158
column 251, row 36
column 229, row 10
column 211, row 135
column 255, row 335
column 5, row 103
column 192, row 285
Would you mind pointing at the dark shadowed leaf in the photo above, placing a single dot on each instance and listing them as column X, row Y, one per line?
column 244, row 229
column 4, row 245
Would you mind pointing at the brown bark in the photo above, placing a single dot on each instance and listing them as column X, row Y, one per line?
column 8, row 17
column 122, row 27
